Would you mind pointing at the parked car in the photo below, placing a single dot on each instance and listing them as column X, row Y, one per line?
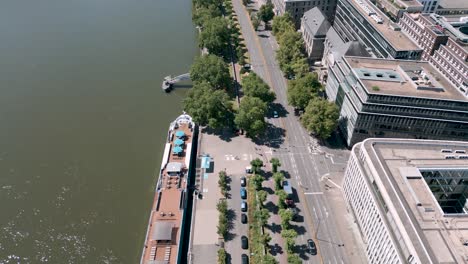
column 244, row 206
column 243, row 181
column 275, row 114
column 243, row 193
column 244, row 218
column 245, row 259
column 244, row 242
column 311, row 248
column 248, row 169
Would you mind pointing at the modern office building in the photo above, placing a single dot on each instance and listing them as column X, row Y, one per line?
column 445, row 44
column 360, row 20
column 297, row 8
column 452, row 7
column 395, row 98
column 409, row 199
column 314, row 28
column 396, row 8
column 335, row 49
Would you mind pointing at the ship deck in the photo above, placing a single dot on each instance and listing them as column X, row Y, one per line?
column 163, row 234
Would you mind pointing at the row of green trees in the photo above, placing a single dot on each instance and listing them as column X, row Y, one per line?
column 304, row 90
column 254, row 105
column 223, row 222
column 259, row 216
column 290, row 54
column 223, row 183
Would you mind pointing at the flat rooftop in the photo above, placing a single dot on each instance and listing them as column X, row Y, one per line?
column 396, row 38
column 457, row 4
column 403, row 78
column 437, row 236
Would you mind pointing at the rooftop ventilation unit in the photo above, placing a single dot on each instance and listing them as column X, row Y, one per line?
column 460, row 151
column 450, row 157
column 446, row 150
column 464, row 157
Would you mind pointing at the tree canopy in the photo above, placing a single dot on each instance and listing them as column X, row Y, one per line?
column 282, row 24
column 275, row 163
column 211, row 69
column 266, row 12
column 208, row 107
column 290, row 50
column 202, row 14
column 214, row 35
column 320, row 117
column 251, row 116
column 302, row 90
column 254, row 86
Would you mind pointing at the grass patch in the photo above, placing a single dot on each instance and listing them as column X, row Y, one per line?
column 375, row 88
column 255, row 246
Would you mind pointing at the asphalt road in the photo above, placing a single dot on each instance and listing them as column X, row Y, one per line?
column 306, row 161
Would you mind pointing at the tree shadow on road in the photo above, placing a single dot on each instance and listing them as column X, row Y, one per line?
column 279, row 108
column 286, row 174
column 335, row 141
column 225, row 134
column 231, row 217
column 269, row 190
column 273, row 137
column 276, row 249
column 274, row 228
column 301, row 250
column 271, row 207
column 299, row 229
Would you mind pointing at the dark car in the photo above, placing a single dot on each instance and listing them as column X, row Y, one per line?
column 245, row 259
column 243, row 193
column 244, row 206
column 244, row 242
column 243, row 182
column 311, row 248
column 244, row 218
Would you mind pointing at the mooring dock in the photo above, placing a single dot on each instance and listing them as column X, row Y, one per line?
column 169, row 81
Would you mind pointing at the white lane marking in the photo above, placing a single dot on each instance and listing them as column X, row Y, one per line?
column 311, row 193
column 315, row 212
column 339, row 187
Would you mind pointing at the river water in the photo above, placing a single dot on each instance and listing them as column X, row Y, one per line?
column 82, row 123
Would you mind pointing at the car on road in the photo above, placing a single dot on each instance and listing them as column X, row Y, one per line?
column 244, row 242
column 311, row 248
column 243, row 193
column 243, row 181
column 275, row 114
column 244, row 206
column 244, row 218
column 245, row 259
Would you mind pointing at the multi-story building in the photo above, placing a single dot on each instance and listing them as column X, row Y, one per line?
column 421, row 28
column 452, row 7
column 396, row 8
column 360, row 20
column 409, row 199
column 395, row 98
column 297, row 8
column 430, row 6
column 445, row 44
column 451, row 59
column 334, row 50
column 314, row 28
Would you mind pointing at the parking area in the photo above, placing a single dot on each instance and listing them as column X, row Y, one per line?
column 231, row 154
